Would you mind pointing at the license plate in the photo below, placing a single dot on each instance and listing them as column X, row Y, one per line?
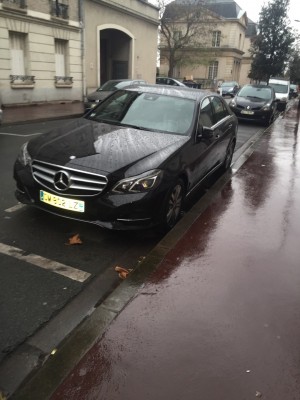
column 62, row 202
column 247, row 112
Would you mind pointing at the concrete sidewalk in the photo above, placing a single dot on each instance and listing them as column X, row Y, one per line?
column 213, row 312
column 41, row 112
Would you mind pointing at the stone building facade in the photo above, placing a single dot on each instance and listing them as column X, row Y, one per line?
column 59, row 50
column 120, row 41
column 40, row 51
column 228, row 44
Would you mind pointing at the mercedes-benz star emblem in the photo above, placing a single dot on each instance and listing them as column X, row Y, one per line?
column 248, row 108
column 61, row 180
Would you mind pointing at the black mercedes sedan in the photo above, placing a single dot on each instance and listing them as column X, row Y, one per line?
column 255, row 103
column 132, row 160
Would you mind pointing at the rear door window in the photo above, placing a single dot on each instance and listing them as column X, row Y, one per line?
column 219, row 109
column 206, row 113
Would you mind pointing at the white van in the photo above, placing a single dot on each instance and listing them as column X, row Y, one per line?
column 282, row 91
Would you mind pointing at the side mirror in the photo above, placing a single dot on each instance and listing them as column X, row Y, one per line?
column 204, row 132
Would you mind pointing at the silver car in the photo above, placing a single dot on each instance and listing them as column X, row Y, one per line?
column 96, row 97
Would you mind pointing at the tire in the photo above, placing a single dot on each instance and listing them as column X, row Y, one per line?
column 229, row 154
column 173, row 205
column 269, row 121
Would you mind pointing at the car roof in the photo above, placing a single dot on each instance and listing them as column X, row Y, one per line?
column 123, row 80
column 258, row 86
column 175, row 91
column 229, row 83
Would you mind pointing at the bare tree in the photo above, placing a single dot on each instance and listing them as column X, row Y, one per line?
column 185, row 26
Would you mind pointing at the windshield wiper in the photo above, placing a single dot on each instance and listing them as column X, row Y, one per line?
column 255, row 97
column 135, row 127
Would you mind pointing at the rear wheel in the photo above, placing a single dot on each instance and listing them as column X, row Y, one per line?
column 173, row 205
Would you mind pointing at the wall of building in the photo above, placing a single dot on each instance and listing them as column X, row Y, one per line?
column 40, row 29
column 137, row 20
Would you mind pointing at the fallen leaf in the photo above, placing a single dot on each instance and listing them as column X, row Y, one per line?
column 123, row 272
column 74, row 240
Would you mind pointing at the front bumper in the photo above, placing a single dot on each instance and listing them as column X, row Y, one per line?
column 258, row 115
column 109, row 210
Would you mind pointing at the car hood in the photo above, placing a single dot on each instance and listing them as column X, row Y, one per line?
column 251, row 101
column 98, row 147
column 98, row 95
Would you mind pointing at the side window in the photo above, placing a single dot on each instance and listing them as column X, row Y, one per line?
column 220, row 110
column 206, row 115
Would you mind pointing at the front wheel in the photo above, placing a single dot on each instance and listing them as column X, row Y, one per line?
column 173, row 205
column 229, row 154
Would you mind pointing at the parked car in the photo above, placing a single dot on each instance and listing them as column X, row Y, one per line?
column 255, row 103
column 282, row 91
column 162, row 80
column 94, row 98
column 293, row 91
column 229, row 88
column 131, row 161
column 1, row 111
column 192, row 84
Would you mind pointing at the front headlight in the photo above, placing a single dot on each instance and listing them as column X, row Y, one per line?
column 24, row 156
column 139, row 184
column 267, row 107
column 284, row 99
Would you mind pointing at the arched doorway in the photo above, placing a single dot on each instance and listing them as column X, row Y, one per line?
column 115, row 53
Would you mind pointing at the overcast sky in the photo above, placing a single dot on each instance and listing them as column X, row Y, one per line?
column 253, row 7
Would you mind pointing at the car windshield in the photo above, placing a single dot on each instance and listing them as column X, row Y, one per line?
column 110, row 86
column 279, row 88
column 263, row 93
column 225, row 84
column 148, row 111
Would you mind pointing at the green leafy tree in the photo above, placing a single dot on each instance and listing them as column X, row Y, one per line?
column 185, row 26
column 271, row 49
column 295, row 67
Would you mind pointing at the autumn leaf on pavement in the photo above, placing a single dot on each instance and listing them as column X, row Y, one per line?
column 123, row 272
column 74, row 240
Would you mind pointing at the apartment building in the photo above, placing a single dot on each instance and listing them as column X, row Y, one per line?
column 40, row 51
column 225, row 52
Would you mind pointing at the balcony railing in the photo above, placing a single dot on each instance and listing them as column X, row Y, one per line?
column 22, row 78
column 60, row 10
column 15, row 3
column 22, row 81
column 63, row 81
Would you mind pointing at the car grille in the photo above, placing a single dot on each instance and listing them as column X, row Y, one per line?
column 252, row 108
column 68, row 181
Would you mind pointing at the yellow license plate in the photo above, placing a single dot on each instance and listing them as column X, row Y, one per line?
column 247, row 112
column 62, row 202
